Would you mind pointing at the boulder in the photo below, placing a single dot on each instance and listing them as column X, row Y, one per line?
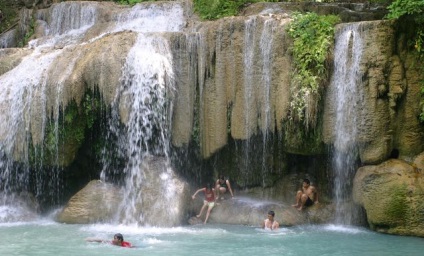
column 391, row 194
column 153, row 196
column 252, row 212
column 96, row 202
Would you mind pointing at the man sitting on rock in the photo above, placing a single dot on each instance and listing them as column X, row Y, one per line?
column 307, row 196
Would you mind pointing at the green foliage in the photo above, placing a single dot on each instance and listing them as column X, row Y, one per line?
column 66, row 134
column 215, row 9
column 132, row 2
column 400, row 8
column 414, row 10
column 9, row 16
column 313, row 36
column 29, row 33
column 397, row 207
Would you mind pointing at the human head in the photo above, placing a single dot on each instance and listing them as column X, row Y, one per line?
column 209, row 186
column 221, row 177
column 271, row 214
column 118, row 237
column 307, row 182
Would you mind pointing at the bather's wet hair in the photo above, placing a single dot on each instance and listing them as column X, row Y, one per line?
column 209, row 186
column 307, row 181
column 272, row 213
column 119, row 236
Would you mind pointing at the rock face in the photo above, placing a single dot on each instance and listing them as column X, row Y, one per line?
column 158, row 198
column 96, row 202
column 247, row 211
column 391, row 194
column 383, row 122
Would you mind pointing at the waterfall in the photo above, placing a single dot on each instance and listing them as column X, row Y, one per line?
column 249, row 125
column 141, row 112
column 146, row 94
column 266, row 43
column 348, row 97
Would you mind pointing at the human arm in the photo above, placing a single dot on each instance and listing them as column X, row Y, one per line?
column 229, row 188
column 275, row 225
column 315, row 196
column 97, row 240
column 194, row 195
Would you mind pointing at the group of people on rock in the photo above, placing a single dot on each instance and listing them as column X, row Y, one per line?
column 213, row 194
column 305, row 197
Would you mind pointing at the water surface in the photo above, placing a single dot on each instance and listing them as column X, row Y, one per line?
column 48, row 238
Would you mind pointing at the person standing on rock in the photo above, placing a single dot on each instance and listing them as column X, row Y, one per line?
column 270, row 223
column 209, row 200
column 306, row 196
column 222, row 185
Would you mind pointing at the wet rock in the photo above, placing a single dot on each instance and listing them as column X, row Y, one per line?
column 391, row 194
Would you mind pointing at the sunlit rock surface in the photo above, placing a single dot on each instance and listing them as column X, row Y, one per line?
column 96, row 202
column 243, row 210
column 391, row 194
column 159, row 198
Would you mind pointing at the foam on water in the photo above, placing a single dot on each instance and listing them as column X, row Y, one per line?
column 344, row 229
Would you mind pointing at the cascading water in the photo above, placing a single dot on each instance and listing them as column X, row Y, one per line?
column 146, row 93
column 346, row 83
column 30, row 98
column 266, row 43
column 248, row 89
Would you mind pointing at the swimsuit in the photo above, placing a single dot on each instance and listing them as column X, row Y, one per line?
column 209, row 196
column 126, row 244
column 309, row 202
column 223, row 185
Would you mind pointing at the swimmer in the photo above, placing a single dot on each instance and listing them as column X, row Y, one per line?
column 270, row 223
column 118, row 240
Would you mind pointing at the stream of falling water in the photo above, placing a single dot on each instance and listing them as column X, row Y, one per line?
column 348, row 99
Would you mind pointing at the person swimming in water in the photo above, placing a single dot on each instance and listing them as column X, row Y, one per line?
column 270, row 223
column 118, row 240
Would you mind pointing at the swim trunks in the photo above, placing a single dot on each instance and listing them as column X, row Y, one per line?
column 309, row 202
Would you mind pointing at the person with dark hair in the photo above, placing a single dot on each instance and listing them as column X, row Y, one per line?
column 306, row 196
column 118, row 240
column 270, row 223
column 209, row 200
column 222, row 185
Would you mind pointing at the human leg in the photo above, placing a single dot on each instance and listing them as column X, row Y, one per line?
column 210, row 206
column 201, row 210
column 217, row 187
column 222, row 191
column 303, row 199
column 298, row 199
